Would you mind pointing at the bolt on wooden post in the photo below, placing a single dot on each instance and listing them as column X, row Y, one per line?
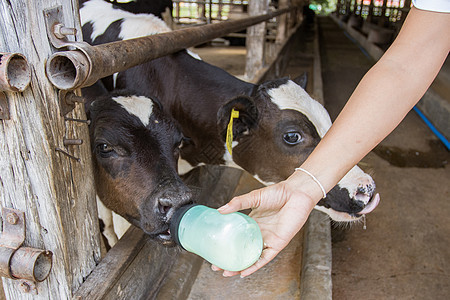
column 56, row 192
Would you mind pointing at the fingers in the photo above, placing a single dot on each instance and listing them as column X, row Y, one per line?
column 215, row 268
column 225, row 272
column 266, row 256
column 250, row 200
column 230, row 273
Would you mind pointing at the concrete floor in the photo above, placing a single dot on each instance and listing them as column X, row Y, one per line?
column 404, row 252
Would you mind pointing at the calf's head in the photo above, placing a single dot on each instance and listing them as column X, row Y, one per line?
column 279, row 125
column 135, row 149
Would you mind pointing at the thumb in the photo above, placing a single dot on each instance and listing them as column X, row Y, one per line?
column 250, row 200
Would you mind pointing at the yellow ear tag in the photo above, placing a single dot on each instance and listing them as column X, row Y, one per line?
column 229, row 140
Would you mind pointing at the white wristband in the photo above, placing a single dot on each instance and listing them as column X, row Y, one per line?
column 315, row 180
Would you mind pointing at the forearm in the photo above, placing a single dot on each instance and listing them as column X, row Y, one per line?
column 373, row 111
column 383, row 97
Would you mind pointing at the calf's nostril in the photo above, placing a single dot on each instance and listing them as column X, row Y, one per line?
column 366, row 190
column 164, row 206
column 170, row 202
column 163, row 209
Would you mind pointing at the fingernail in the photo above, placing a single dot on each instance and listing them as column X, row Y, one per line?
column 223, row 207
column 214, row 268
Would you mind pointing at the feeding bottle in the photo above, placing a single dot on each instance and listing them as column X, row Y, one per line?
column 232, row 242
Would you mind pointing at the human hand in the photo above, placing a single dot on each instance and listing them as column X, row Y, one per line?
column 280, row 211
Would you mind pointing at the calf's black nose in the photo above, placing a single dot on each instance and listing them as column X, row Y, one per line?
column 170, row 201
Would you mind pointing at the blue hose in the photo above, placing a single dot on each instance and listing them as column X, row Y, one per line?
column 433, row 129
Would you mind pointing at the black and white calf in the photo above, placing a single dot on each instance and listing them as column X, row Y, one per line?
column 135, row 152
column 279, row 124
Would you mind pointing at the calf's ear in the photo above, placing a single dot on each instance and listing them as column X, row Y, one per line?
column 302, row 80
column 248, row 116
column 91, row 93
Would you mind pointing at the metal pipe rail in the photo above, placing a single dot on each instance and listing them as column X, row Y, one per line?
column 15, row 73
column 213, row 2
column 68, row 70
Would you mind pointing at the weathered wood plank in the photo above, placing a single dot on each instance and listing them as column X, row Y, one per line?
column 56, row 192
column 112, row 267
column 277, row 66
column 143, row 278
column 255, row 40
column 178, row 283
column 318, row 83
column 282, row 23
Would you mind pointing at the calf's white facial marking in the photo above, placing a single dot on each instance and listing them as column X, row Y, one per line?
column 140, row 106
column 292, row 96
column 101, row 14
column 336, row 215
column 357, row 175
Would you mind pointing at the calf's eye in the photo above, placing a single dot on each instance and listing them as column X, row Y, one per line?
column 104, row 149
column 292, row 138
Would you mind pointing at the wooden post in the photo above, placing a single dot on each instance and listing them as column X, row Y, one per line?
column 177, row 11
column 55, row 191
column 201, row 9
column 256, row 36
column 282, row 23
column 219, row 11
column 209, row 20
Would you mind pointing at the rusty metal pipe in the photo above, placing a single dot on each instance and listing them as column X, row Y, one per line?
column 69, row 70
column 31, row 264
column 19, row 262
column 15, row 73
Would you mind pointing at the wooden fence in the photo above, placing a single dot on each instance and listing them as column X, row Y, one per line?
column 46, row 170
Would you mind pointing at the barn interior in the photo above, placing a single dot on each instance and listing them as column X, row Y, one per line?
column 401, row 252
